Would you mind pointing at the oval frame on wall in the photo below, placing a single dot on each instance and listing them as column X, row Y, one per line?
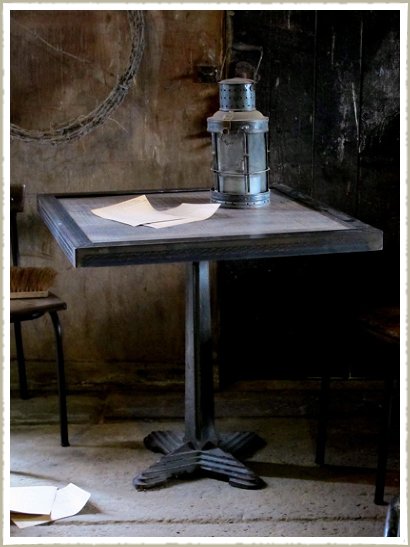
column 80, row 127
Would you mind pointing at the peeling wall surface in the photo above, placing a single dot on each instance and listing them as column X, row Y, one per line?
column 122, row 323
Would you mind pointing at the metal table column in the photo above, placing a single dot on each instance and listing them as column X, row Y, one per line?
column 201, row 450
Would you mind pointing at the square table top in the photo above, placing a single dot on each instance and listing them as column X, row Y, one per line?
column 291, row 225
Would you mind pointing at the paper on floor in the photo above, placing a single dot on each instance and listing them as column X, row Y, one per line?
column 33, row 505
column 139, row 212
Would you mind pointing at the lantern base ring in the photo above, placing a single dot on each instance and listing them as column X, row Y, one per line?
column 240, row 201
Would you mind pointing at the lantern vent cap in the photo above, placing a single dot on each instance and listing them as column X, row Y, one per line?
column 237, row 94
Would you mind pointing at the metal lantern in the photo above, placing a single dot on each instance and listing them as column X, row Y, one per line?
column 239, row 147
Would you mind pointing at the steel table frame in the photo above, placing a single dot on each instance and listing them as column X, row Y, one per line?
column 88, row 241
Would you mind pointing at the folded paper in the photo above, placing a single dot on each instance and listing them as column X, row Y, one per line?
column 37, row 500
column 139, row 212
column 33, row 505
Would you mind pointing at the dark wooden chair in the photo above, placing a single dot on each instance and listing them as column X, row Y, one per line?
column 383, row 325
column 28, row 309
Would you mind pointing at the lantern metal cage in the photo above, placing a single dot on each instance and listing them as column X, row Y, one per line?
column 239, row 147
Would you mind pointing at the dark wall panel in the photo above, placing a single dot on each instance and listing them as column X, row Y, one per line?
column 330, row 85
column 337, row 108
column 379, row 168
column 285, row 90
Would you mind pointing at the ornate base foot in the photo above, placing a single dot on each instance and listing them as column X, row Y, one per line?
column 183, row 459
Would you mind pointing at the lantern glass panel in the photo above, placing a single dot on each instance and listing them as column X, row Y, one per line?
column 257, row 163
column 257, row 152
column 231, row 162
column 230, row 153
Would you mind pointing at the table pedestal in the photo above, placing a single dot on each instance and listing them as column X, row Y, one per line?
column 201, row 451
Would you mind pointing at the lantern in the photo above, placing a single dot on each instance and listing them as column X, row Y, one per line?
column 239, row 147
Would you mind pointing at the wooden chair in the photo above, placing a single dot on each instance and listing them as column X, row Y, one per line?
column 383, row 325
column 27, row 309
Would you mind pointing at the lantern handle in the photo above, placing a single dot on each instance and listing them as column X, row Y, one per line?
column 240, row 46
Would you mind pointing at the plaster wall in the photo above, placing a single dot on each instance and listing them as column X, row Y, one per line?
column 124, row 323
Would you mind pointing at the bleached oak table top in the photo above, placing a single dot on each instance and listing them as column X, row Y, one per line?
column 291, row 225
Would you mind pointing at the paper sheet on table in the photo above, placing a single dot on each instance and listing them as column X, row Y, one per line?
column 134, row 212
column 188, row 212
column 138, row 211
column 33, row 505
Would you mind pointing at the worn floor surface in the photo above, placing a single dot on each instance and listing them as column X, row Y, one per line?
column 301, row 500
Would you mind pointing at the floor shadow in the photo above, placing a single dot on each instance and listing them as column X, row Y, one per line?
column 89, row 509
column 326, row 473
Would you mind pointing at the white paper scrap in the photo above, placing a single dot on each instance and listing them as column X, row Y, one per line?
column 36, row 500
column 139, row 212
column 23, row 520
column 135, row 211
column 34, row 505
column 189, row 212
column 69, row 501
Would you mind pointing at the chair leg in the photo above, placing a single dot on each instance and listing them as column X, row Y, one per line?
column 322, row 422
column 61, row 378
column 20, row 361
column 384, row 441
column 392, row 522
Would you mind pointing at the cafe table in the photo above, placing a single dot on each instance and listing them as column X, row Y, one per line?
column 291, row 225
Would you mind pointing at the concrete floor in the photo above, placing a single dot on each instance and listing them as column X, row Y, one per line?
column 301, row 500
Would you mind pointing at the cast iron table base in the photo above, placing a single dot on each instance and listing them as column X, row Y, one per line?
column 183, row 459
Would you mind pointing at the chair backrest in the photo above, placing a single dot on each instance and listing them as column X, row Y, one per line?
column 16, row 206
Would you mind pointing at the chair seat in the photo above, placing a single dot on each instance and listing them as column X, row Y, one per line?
column 22, row 309
column 25, row 309
column 383, row 323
